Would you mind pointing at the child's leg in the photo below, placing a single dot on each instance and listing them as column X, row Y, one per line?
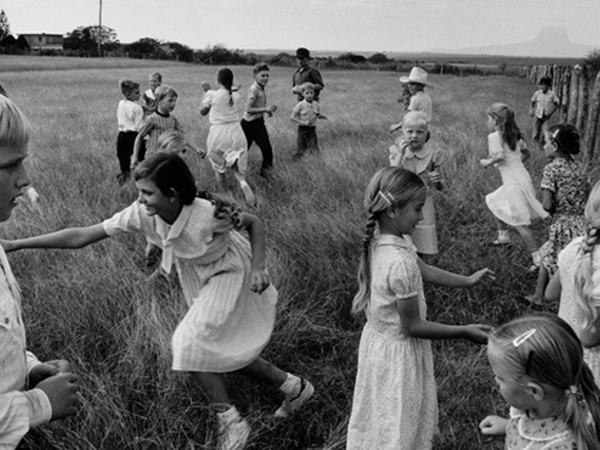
column 301, row 142
column 528, row 238
column 503, row 236
column 542, row 281
column 244, row 186
column 262, row 140
column 220, row 177
column 213, row 386
column 313, row 144
column 297, row 390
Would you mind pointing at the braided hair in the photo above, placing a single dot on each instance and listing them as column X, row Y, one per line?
column 391, row 187
column 225, row 79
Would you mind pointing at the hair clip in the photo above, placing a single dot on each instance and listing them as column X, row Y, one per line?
column 523, row 337
column 388, row 198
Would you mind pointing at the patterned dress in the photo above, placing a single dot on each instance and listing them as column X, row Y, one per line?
column 568, row 184
column 551, row 433
column 395, row 399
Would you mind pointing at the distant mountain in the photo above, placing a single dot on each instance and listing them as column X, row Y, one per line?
column 552, row 42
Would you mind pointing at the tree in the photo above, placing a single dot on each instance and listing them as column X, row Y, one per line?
column 4, row 26
column 353, row 58
column 84, row 40
column 144, row 48
column 378, row 58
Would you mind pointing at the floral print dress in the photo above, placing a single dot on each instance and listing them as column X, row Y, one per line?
column 568, row 184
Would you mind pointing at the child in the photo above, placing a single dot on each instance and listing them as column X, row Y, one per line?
column 129, row 116
column 253, row 122
column 149, row 97
column 576, row 284
column 395, row 404
column 538, row 364
column 226, row 143
column 514, row 203
column 543, row 104
column 419, row 99
column 224, row 281
column 31, row 392
column 157, row 123
column 173, row 141
column 410, row 153
column 564, row 193
column 305, row 114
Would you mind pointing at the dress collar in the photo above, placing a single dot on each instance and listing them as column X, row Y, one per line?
column 170, row 233
column 420, row 154
column 391, row 239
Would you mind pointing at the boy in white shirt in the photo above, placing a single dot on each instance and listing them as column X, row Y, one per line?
column 305, row 114
column 130, row 116
column 544, row 103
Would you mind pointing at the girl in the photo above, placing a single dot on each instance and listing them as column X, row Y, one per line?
column 576, row 284
column 223, row 277
column 227, row 145
column 149, row 96
column 514, row 203
column 410, row 153
column 539, row 368
column 564, row 193
column 395, row 402
column 174, row 141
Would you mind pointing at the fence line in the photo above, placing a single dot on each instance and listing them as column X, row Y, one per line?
column 579, row 96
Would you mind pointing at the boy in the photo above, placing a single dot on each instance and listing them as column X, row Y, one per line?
column 130, row 116
column 543, row 104
column 253, row 122
column 420, row 101
column 155, row 80
column 305, row 114
column 31, row 392
column 306, row 73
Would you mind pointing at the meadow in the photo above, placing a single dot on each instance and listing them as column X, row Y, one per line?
column 95, row 307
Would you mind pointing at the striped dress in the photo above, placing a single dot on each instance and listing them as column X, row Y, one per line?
column 160, row 124
column 227, row 325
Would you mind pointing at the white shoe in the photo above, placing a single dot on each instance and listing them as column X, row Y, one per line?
column 248, row 194
column 291, row 404
column 233, row 436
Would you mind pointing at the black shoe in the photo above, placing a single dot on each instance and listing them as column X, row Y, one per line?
column 265, row 172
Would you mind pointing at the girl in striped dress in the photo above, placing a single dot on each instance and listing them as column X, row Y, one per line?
column 223, row 278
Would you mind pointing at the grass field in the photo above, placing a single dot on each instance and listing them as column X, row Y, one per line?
column 95, row 308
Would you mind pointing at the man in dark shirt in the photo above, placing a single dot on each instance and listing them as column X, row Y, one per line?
column 306, row 73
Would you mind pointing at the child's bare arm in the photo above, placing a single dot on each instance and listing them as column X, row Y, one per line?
column 68, row 238
column 440, row 277
column 137, row 145
column 259, row 278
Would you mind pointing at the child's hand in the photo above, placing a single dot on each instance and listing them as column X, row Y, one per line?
column 205, row 86
column 259, row 280
column 200, row 152
column 46, row 370
column 484, row 163
column 477, row 333
column 273, row 108
column 435, row 177
column 480, row 275
column 134, row 162
column 493, row 426
column 33, row 196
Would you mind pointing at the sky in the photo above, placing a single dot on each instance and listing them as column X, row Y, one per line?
column 321, row 25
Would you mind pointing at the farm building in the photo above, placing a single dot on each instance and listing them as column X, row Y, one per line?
column 43, row 41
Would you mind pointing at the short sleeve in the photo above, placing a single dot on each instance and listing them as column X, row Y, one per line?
column 253, row 95
column 208, row 99
column 297, row 109
column 127, row 221
column 495, row 145
column 534, row 97
column 554, row 97
column 404, row 278
column 549, row 178
column 178, row 126
column 438, row 158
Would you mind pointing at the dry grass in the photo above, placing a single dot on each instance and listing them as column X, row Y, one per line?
column 94, row 307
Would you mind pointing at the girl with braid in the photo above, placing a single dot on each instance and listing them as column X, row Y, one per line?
column 395, row 400
column 226, row 142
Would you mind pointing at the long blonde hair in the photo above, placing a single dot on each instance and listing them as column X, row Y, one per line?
column 504, row 117
column 585, row 286
column 545, row 349
column 389, row 187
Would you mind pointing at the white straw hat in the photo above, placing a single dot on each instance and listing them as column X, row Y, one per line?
column 416, row 75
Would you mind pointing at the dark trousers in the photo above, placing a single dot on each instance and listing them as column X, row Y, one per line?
column 307, row 140
column 125, row 141
column 256, row 131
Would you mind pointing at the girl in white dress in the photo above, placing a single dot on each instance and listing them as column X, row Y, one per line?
column 576, row 284
column 514, row 203
column 223, row 278
column 538, row 365
column 226, row 142
column 395, row 401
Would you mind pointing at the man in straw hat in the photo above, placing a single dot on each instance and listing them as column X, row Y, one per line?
column 306, row 73
column 419, row 100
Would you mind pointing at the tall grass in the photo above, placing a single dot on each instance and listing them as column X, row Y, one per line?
column 95, row 308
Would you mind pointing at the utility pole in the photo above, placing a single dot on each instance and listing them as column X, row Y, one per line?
column 100, row 30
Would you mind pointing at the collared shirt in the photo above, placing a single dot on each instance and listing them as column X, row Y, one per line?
column 160, row 123
column 310, row 74
column 544, row 102
column 257, row 98
column 306, row 112
column 19, row 410
column 130, row 116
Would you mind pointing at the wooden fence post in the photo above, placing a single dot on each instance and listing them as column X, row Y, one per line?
column 573, row 100
column 566, row 83
column 591, row 135
column 583, row 95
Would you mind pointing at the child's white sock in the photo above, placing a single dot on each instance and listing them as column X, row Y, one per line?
column 503, row 235
column 291, row 385
column 232, row 415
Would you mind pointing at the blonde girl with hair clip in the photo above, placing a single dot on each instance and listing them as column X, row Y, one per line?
column 226, row 142
column 395, row 399
column 538, row 365
column 576, row 284
column 514, row 203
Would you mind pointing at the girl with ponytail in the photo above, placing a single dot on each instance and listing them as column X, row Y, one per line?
column 395, row 400
column 539, row 368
